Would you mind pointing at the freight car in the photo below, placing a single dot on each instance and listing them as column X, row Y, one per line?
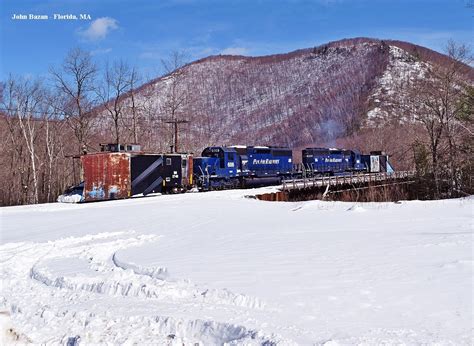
column 122, row 171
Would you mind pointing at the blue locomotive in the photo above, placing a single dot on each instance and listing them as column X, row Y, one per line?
column 331, row 161
column 242, row 166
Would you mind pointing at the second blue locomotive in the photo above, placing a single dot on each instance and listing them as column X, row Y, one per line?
column 331, row 161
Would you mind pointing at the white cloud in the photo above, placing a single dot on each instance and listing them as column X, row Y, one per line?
column 235, row 51
column 99, row 29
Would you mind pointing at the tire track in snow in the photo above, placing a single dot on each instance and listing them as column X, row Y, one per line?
column 108, row 275
column 44, row 282
column 222, row 296
column 160, row 273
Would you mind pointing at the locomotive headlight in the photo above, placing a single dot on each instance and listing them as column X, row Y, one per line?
column 357, row 161
column 315, row 160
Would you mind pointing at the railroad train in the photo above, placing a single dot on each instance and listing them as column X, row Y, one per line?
column 246, row 166
column 122, row 171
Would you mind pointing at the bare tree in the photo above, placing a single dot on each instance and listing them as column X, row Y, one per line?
column 455, row 86
column 22, row 101
column 15, row 162
column 75, row 83
column 53, row 142
column 176, row 96
column 134, row 108
column 116, row 83
column 438, row 101
column 432, row 124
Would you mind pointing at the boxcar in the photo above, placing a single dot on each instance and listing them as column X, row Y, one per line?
column 116, row 175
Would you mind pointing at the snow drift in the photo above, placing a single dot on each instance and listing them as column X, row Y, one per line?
column 216, row 268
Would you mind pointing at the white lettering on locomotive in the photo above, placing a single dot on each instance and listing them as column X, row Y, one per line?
column 331, row 159
column 266, row 162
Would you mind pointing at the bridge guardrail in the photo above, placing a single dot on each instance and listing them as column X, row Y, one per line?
column 308, row 182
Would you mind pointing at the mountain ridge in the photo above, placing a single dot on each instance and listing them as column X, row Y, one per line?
column 310, row 96
column 414, row 49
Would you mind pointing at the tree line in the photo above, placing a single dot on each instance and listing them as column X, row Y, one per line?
column 47, row 123
column 443, row 104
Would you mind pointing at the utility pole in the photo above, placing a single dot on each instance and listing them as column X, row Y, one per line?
column 175, row 122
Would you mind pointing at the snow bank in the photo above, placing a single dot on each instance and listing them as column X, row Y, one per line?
column 217, row 267
column 66, row 198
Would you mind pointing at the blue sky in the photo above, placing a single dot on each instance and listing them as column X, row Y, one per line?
column 144, row 31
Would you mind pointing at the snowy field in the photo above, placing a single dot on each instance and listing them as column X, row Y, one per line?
column 219, row 268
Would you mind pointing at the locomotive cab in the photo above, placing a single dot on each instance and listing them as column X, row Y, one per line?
column 217, row 167
column 218, row 161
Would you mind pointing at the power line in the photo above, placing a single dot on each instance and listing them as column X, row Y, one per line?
column 175, row 122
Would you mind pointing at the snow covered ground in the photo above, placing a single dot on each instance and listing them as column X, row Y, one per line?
column 217, row 267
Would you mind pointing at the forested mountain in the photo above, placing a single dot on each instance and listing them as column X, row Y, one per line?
column 307, row 97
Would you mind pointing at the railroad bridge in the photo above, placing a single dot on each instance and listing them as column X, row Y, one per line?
column 336, row 187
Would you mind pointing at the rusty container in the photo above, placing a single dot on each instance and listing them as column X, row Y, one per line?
column 106, row 176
